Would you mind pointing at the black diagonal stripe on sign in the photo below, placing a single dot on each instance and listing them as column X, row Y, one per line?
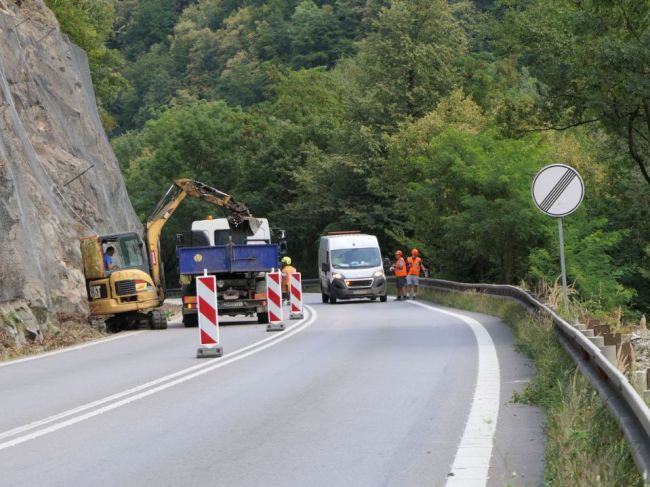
column 557, row 190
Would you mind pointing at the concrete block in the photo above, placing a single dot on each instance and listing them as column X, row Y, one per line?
column 275, row 327
column 602, row 329
column 609, row 351
column 592, row 322
column 589, row 333
column 613, row 339
column 209, row 352
column 598, row 341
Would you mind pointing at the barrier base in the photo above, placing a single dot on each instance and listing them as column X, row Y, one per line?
column 275, row 327
column 209, row 352
column 296, row 316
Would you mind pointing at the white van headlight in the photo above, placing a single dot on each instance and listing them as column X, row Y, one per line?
column 336, row 275
column 378, row 274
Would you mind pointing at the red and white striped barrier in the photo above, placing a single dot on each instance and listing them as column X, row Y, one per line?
column 274, row 301
column 206, row 293
column 295, row 291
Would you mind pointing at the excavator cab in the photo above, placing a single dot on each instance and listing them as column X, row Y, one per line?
column 129, row 251
column 124, row 294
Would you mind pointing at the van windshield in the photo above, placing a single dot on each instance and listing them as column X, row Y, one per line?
column 356, row 258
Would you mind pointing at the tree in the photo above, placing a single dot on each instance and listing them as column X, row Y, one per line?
column 408, row 63
column 152, row 86
column 592, row 59
column 89, row 24
column 316, row 36
column 143, row 23
column 460, row 194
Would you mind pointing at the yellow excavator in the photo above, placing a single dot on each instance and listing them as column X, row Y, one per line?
column 128, row 288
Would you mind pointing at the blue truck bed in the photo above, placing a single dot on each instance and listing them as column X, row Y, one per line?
column 228, row 258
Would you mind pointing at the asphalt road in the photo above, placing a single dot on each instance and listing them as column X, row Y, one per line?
column 356, row 394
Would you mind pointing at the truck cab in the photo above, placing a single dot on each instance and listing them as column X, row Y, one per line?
column 219, row 231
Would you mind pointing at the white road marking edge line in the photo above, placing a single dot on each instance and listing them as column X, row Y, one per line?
column 300, row 326
column 112, row 397
column 469, row 465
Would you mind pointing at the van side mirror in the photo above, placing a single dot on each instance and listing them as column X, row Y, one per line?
column 324, row 267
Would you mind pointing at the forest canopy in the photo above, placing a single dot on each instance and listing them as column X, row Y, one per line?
column 420, row 121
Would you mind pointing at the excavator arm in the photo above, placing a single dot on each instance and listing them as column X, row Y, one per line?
column 181, row 189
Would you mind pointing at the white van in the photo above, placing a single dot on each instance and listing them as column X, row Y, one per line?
column 350, row 267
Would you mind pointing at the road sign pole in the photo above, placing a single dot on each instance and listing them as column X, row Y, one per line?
column 565, row 295
column 557, row 191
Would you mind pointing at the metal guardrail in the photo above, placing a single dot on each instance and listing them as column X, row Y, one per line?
column 627, row 407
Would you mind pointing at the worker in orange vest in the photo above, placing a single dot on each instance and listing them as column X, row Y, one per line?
column 399, row 268
column 287, row 270
column 414, row 265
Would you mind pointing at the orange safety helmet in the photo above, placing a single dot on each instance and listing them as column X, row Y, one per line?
column 414, row 252
column 398, row 252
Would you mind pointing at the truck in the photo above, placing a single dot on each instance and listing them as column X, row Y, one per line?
column 132, row 293
column 239, row 257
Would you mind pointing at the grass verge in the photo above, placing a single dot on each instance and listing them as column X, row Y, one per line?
column 56, row 337
column 584, row 444
column 53, row 339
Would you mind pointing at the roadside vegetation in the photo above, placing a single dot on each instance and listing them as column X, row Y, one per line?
column 420, row 121
column 584, row 445
column 52, row 338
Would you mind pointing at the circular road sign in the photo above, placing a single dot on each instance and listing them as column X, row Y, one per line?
column 558, row 190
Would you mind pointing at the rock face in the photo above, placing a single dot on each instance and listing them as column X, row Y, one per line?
column 50, row 132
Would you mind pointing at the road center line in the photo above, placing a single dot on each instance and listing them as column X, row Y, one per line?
column 152, row 387
column 472, row 460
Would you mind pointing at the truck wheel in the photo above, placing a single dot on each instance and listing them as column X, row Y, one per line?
column 190, row 321
column 262, row 318
column 158, row 320
column 384, row 298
